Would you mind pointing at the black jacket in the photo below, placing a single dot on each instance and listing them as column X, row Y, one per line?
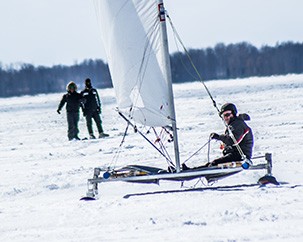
column 73, row 102
column 243, row 136
column 92, row 101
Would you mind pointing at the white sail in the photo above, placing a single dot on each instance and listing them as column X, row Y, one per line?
column 132, row 39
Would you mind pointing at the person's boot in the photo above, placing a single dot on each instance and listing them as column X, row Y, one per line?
column 102, row 135
column 185, row 167
column 92, row 136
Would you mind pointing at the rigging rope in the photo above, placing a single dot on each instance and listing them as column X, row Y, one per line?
column 139, row 132
column 206, row 88
column 208, row 142
column 192, row 63
column 117, row 153
column 162, row 147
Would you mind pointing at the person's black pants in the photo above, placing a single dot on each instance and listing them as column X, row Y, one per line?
column 96, row 116
column 227, row 158
column 72, row 122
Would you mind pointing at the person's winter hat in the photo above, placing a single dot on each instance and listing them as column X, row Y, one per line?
column 229, row 107
column 88, row 83
column 71, row 85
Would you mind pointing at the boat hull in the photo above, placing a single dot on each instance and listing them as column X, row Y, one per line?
column 146, row 174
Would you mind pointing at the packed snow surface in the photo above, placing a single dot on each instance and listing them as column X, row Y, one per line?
column 43, row 175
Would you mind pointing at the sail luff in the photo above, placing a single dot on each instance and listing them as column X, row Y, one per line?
column 168, row 78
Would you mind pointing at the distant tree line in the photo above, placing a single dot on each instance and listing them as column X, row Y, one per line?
column 221, row 62
column 238, row 61
column 29, row 80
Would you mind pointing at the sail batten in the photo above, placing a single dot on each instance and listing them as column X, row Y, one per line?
column 131, row 36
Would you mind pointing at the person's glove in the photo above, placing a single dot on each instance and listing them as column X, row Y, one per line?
column 58, row 111
column 214, row 136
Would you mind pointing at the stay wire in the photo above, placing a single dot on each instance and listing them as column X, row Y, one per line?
column 206, row 88
column 116, row 156
column 192, row 63
column 208, row 142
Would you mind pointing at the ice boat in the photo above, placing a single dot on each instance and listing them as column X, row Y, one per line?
column 136, row 44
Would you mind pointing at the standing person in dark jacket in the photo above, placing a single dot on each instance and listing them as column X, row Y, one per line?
column 73, row 101
column 92, row 109
column 243, row 137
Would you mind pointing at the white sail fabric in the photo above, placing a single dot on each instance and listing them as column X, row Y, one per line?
column 131, row 34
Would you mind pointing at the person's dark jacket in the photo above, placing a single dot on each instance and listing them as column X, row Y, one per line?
column 73, row 102
column 243, row 136
column 92, row 101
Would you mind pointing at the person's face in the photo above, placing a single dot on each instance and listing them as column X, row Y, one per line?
column 227, row 115
column 72, row 90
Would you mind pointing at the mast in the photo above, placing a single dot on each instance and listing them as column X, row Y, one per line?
column 168, row 78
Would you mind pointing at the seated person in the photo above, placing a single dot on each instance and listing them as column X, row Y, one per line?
column 241, row 132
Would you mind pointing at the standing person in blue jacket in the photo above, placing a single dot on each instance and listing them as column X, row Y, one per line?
column 73, row 101
column 92, row 109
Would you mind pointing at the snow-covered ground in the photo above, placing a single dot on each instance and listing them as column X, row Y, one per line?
column 43, row 176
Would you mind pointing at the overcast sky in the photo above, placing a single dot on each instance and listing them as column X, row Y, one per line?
column 49, row 32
